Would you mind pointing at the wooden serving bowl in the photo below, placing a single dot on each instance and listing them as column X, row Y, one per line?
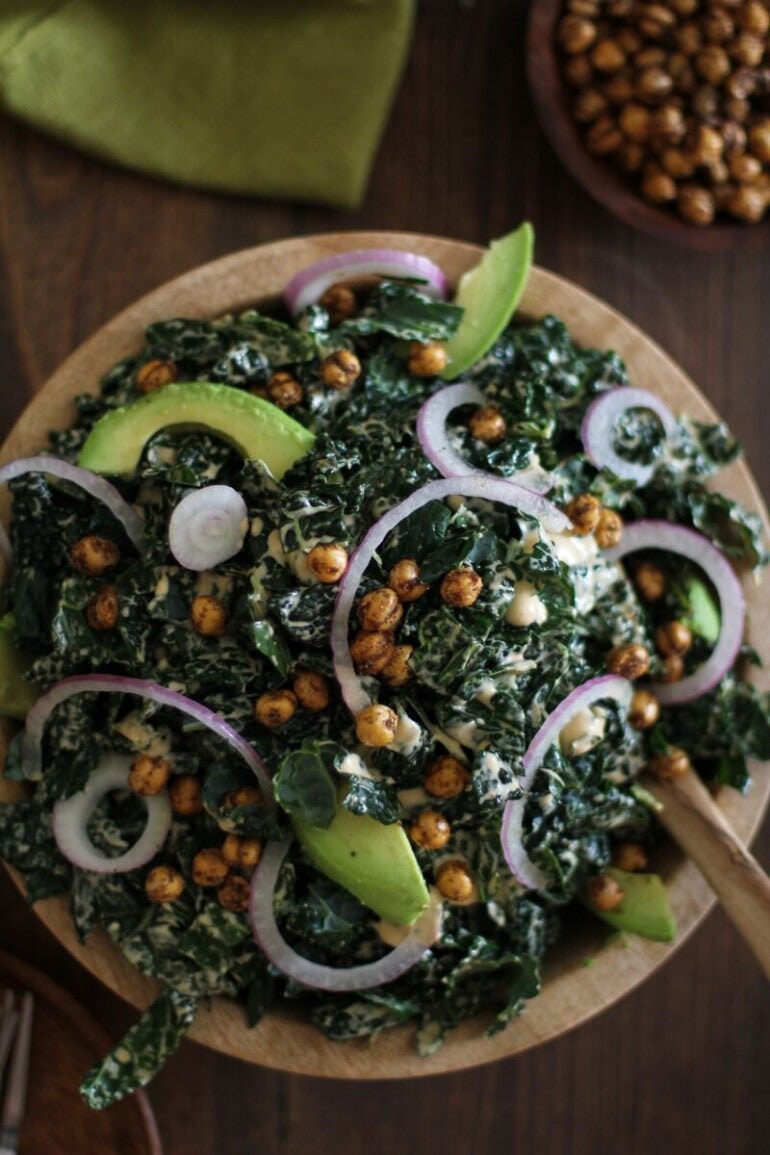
column 606, row 184
column 572, row 992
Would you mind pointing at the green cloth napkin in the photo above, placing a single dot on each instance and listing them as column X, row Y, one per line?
column 275, row 98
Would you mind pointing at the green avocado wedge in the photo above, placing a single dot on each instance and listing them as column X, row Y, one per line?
column 702, row 616
column 374, row 862
column 17, row 695
column 252, row 425
column 645, row 908
column 489, row 293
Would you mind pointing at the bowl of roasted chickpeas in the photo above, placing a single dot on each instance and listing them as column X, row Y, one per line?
column 661, row 111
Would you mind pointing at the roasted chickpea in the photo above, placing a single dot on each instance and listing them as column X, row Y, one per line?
column 649, row 581
column 371, row 650
column 696, row 204
column 340, row 369
column 674, row 637
column 154, row 375
column 577, row 70
column 634, row 122
column 311, row 690
column 461, row 587
column 674, row 764
column 604, row 137
column 340, row 303
column 575, row 34
column 208, row 616
column 653, row 84
column 284, row 390
column 380, row 609
column 426, row 359
column 376, row 725
column 404, row 580
column 609, row 529
column 328, row 562
column 672, row 669
column 748, row 50
column 186, row 794
column 630, row 660
column 584, row 511
column 753, row 17
column 645, row 710
column 209, row 868
column 712, row 63
column 744, row 168
column 148, row 774
column 397, row 671
column 446, row 777
column 234, row 894
column 241, row 852
column 103, row 609
column 243, row 796
column 603, row 892
column 658, row 186
column 630, row 856
column 607, row 56
column 455, row 881
column 588, row 104
column 275, row 708
column 487, row 424
column 430, row 830
column 759, row 140
column 163, row 884
column 93, row 555
column 747, row 203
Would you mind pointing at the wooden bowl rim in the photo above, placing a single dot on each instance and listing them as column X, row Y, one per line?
column 573, row 992
column 600, row 179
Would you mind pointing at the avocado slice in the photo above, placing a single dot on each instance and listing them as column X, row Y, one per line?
column 254, row 426
column 703, row 615
column 17, row 695
column 644, row 910
column 374, row 862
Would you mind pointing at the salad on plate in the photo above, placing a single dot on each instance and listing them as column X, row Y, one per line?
column 341, row 633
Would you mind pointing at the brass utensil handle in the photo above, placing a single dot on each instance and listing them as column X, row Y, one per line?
column 695, row 822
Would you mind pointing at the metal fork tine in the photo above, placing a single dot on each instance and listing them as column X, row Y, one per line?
column 16, row 1091
column 8, row 1021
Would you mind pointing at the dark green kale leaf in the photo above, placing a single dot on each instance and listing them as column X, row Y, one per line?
column 402, row 311
column 304, row 785
column 27, row 842
column 373, row 797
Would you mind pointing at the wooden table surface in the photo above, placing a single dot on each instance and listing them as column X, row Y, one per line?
column 682, row 1064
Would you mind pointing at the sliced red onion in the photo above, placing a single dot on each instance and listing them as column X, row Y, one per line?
column 696, row 548
column 32, row 742
column 422, row 934
column 434, row 438
column 306, row 286
column 524, row 870
column 94, row 485
column 208, row 527
column 71, row 817
column 599, row 422
column 483, row 486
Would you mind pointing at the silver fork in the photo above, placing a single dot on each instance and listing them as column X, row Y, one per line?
column 16, row 1033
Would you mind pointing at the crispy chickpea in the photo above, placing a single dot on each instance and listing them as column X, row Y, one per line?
column 630, row 856
column 404, row 580
column 455, row 881
column 674, row 637
column 208, row 616
column 578, row 71
column 630, row 660
column 340, row 303
column 747, row 203
column 603, row 892
column 376, row 725
column 340, row 369
column 674, row 764
column 234, row 894
column 576, row 34
column 380, row 609
column 584, row 511
column 631, row 156
column 430, row 830
column 243, row 796
column 609, row 529
column 696, row 204
column 672, row 669
column 103, row 609
column 619, row 88
column 744, row 168
column 487, row 424
column 241, row 852
column 426, row 359
column 461, row 587
column 753, row 17
column 163, row 884
column 328, row 562
column 759, row 139
column 658, row 186
column 717, row 26
column 186, row 794
column 588, row 105
column 607, row 56
column 634, row 122
column 644, row 711
column 284, row 390
column 446, row 777
column 677, row 163
column 667, row 123
column 93, row 555
column 209, row 867
column 397, row 671
column 371, row 650
column 747, row 49
column 712, row 63
column 706, row 145
column 649, row 581
column 154, row 375
column 653, row 84
column 149, row 774
column 604, row 137
column 311, row 690
column 275, row 708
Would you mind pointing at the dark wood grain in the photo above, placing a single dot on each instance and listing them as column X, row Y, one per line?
column 681, row 1065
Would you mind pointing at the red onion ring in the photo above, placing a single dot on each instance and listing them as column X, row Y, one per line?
column 71, row 815
column 434, row 439
column 94, row 485
column 422, row 934
column 207, row 527
column 599, row 422
column 484, row 486
column 524, row 870
column 695, row 547
column 310, row 283
column 32, row 740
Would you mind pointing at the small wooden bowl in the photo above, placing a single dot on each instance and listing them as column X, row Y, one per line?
column 572, row 992
column 598, row 177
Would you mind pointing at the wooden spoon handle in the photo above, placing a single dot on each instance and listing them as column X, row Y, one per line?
column 695, row 822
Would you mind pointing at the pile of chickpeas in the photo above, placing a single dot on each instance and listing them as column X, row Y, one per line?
column 676, row 94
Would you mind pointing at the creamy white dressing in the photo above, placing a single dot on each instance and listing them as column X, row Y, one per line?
column 157, row 743
column 527, row 608
column 583, row 732
column 407, row 738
